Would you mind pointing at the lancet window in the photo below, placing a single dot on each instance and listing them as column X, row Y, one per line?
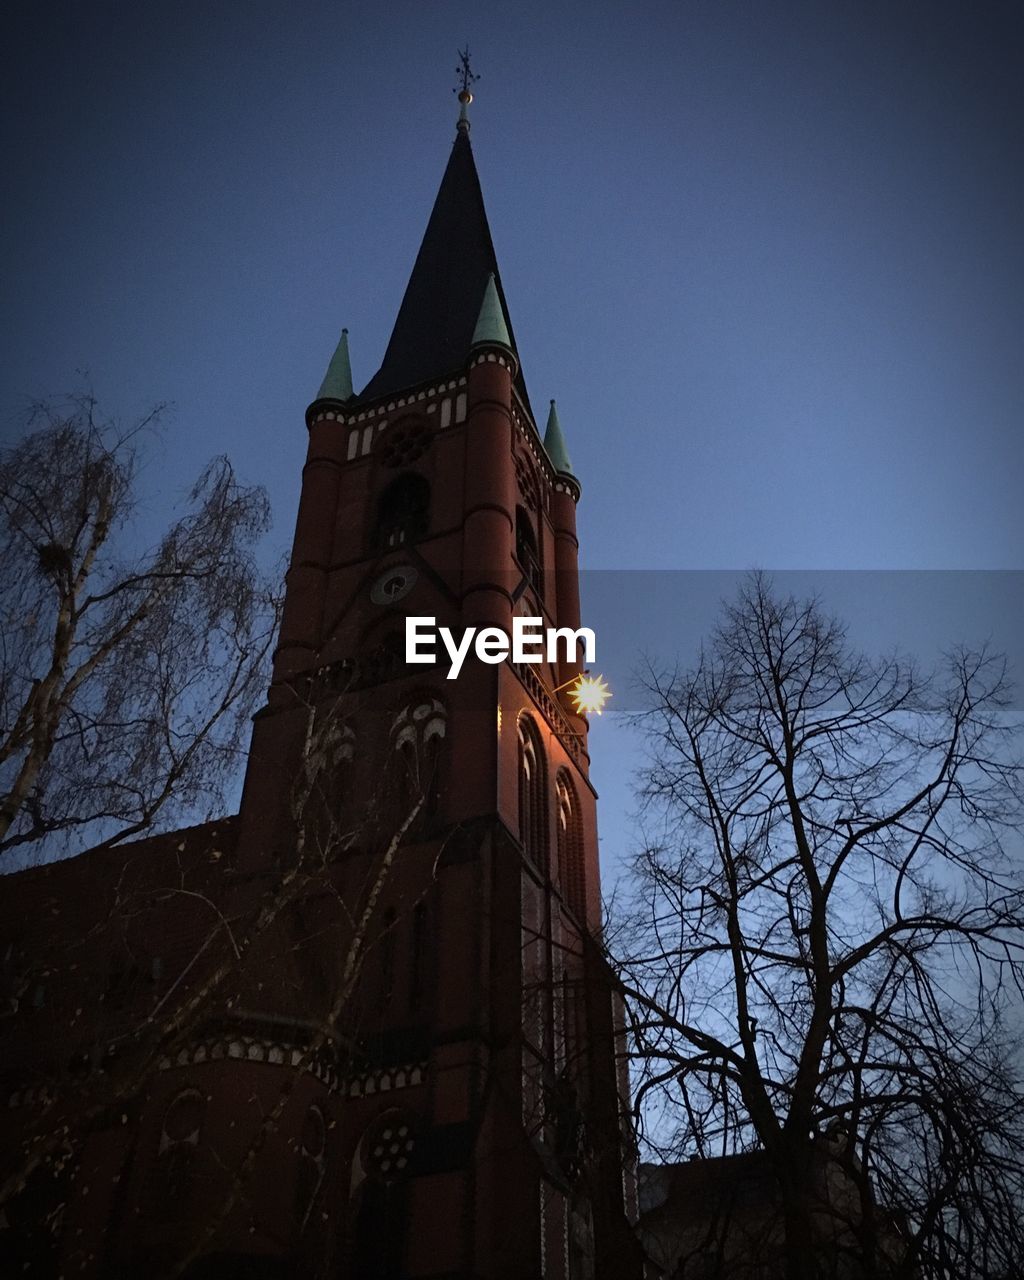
column 174, row 1173
column 527, row 550
column 571, row 869
column 532, row 793
column 417, row 736
column 403, row 511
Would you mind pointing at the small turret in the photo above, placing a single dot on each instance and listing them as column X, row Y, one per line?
column 491, row 329
column 555, row 446
column 337, row 383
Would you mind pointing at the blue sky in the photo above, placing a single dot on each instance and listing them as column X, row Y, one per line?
column 768, row 257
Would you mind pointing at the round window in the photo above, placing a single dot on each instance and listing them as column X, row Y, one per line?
column 404, row 443
column 393, row 584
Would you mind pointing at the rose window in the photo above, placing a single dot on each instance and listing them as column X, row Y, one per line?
column 404, row 443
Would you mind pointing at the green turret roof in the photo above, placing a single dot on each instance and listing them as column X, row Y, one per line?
column 337, row 383
column 490, row 323
column 554, row 444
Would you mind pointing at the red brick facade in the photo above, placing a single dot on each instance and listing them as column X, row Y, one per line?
column 358, row 1030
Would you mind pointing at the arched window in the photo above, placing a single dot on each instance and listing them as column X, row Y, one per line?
column 380, row 1195
column 571, row 870
column 328, row 756
column 526, row 475
column 383, row 661
column 417, row 736
column 172, row 1177
column 403, row 511
column 527, row 552
column 532, row 794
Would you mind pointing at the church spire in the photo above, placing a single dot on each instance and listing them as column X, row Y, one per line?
column 436, row 322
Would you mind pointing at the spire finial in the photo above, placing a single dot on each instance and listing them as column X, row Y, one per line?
column 462, row 89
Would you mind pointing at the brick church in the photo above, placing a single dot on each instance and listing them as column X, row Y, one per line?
column 362, row 1028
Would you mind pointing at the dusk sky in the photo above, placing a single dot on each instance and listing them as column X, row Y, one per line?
column 768, row 257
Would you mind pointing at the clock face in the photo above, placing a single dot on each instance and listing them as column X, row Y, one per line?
column 393, row 584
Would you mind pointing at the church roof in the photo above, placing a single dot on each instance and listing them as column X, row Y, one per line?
column 437, row 319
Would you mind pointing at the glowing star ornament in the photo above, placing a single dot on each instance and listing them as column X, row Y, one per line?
column 590, row 694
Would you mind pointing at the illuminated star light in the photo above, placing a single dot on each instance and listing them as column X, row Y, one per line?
column 590, row 695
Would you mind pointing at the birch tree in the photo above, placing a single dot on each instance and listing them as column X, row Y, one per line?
column 127, row 678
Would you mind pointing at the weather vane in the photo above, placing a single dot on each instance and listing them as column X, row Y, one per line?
column 466, row 76
column 465, row 79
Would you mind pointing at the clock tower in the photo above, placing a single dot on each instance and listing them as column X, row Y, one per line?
column 481, row 1129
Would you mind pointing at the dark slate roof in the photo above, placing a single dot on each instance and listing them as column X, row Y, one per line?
column 434, row 330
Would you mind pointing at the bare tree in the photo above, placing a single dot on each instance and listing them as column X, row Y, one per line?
column 823, row 953
column 126, row 680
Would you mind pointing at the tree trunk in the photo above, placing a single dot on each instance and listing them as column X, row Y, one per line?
column 795, row 1185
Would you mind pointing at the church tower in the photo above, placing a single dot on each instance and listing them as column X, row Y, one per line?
column 480, row 1126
